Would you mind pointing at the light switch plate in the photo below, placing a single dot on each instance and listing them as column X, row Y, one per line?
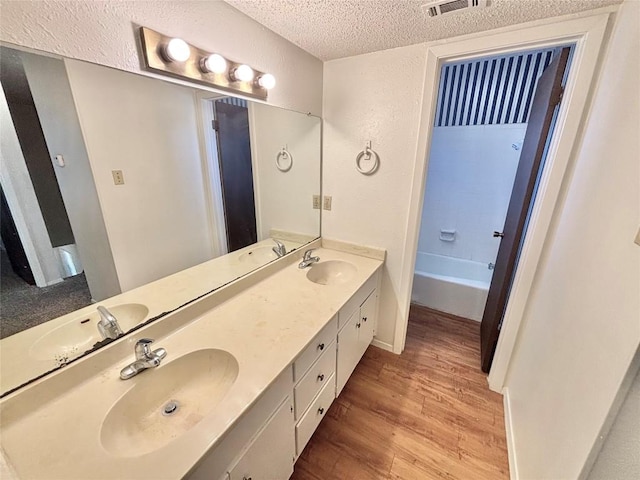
column 316, row 202
column 118, row 177
column 327, row 202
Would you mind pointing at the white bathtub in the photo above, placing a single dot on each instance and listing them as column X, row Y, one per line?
column 451, row 285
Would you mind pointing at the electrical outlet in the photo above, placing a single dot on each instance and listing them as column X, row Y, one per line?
column 118, row 177
column 327, row 202
column 316, row 202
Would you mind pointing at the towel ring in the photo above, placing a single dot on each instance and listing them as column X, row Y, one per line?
column 284, row 160
column 367, row 154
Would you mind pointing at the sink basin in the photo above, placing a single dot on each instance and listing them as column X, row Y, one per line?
column 80, row 334
column 196, row 382
column 258, row 255
column 332, row 272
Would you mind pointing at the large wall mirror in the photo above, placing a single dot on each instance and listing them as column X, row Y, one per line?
column 113, row 181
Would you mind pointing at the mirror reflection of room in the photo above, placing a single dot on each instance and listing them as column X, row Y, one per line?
column 116, row 180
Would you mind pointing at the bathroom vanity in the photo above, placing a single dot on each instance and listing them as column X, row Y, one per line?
column 251, row 370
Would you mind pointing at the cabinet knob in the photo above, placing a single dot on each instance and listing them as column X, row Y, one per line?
column 321, row 410
column 321, row 377
column 321, row 347
column 247, row 478
column 357, row 325
column 364, row 319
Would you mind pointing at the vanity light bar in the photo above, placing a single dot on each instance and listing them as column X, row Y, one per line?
column 176, row 58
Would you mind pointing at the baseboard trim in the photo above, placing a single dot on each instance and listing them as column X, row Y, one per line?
column 383, row 345
column 511, row 448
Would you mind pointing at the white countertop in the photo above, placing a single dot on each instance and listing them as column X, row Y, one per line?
column 18, row 365
column 264, row 327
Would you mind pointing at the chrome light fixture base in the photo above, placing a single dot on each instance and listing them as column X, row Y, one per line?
column 153, row 44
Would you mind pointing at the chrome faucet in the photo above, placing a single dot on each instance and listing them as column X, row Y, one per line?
column 145, row 358
column 108, row 325
column 308, row 260
column 280, row 250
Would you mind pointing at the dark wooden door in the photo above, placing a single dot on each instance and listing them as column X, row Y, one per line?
column 13, row 244
column 547, row 97
column 236, row 174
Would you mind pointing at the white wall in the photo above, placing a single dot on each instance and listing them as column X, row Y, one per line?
column 373, row 97
column 469, row 183
column 103, row 32
column 22, row 201
column 619, row 457
column 51, row 92
column 284, row 199
column 581, row 326
column 157, row 221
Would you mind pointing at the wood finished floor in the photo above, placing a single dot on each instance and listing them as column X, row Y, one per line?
column 425, row 414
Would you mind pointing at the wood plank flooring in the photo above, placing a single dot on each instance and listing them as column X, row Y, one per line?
column 425, row 414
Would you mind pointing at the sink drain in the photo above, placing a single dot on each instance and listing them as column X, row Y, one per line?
column 170, row 408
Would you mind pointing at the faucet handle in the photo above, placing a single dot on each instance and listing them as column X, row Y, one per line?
column 142, row 348
column 307, row 254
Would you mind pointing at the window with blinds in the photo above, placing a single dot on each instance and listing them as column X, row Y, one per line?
column 490, row 91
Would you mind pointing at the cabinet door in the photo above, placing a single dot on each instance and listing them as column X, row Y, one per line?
column 348, row 350
column 271, row 454
column 367, row 322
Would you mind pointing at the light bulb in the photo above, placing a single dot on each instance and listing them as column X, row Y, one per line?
column 244, row 73
column 214, row 63
column 267, row 81
column 177, row 50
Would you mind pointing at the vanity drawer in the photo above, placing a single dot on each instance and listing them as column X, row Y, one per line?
column 358, row 299
column 313, row 381
column 311, row 419
column 309, row 355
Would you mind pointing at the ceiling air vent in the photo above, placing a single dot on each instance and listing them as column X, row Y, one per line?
column 441, row 7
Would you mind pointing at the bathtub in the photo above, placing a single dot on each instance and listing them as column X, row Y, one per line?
column 451, row 285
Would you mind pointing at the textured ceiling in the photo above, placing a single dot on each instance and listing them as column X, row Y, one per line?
column 330, row 29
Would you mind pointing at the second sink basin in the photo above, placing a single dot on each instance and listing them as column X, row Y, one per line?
column 331, row 272
column 167, row 401
column 258, row 255
column 79, row 335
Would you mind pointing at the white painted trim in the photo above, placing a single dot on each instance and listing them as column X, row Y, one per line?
column 383, row 345
column 211, row 175
column 566, row 136
column 255, row 166
column 587, row 32
column 511, row 448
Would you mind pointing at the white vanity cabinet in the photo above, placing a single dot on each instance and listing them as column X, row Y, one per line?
column 267, row 440
column 356, row 331
column 271, row 452
column 314, row 392
column 261, row 445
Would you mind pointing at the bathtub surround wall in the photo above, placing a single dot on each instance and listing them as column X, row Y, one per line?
column 103, row 32
column 471, row 172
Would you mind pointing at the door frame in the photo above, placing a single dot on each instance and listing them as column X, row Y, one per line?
column 588, row 32
column 211, row 172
